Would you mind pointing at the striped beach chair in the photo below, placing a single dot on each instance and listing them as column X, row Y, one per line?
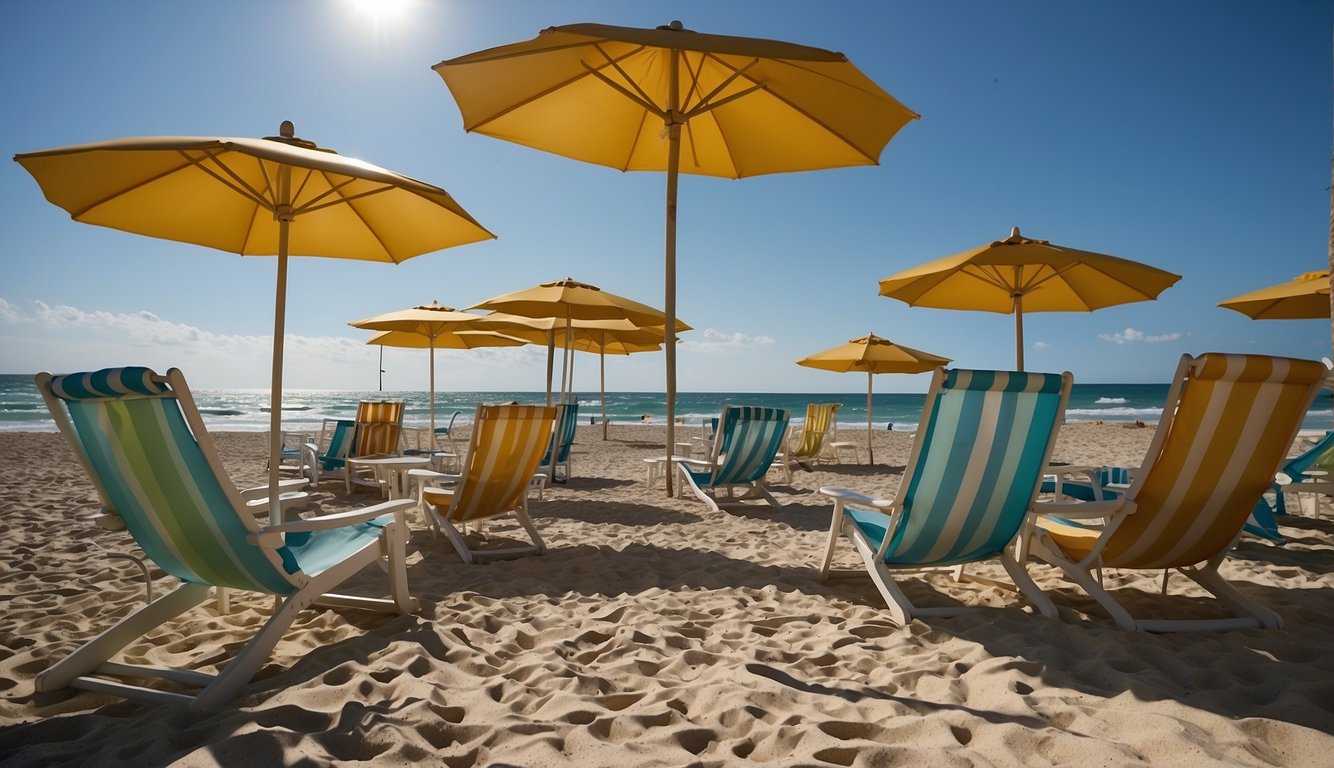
column 143, row 444
column 1227, row 425
column 379, row 433
column 970, row 482
column 558, row 449
column 744, row 447
column 503, row 454
column 809, row 444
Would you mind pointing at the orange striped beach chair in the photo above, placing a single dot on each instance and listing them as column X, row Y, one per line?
column 505, row 449
column 1227, row 426
column 379, row 433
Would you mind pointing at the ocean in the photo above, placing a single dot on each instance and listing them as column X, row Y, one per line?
column 247, row 410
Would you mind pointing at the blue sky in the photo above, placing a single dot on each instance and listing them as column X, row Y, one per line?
column 1191, row 135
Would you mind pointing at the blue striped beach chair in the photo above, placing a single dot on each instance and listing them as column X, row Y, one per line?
column 970, row 483
column 562, row 438
column 143, row 444
column 744, row 447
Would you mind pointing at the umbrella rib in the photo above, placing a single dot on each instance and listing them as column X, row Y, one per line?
column 636, row 98
column 706, row 104
column 236, row 183
column 118, row 193
column 616, row 65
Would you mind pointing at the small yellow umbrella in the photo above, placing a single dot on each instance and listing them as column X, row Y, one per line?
column 566, row 302
column 874, row 355
column 675, row 100
column 278, row 195
column 1020, row 274
column 437, row 326
column 1305, row 297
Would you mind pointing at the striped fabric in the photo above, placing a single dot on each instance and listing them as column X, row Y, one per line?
column 819, row 418
column 340, row 444
column 567, row 417
column 506, row 448
column 1319, row 456
column 379, row 428
column 979, row 460
column 1232, row 425
column 153, row 474
column 749, row 439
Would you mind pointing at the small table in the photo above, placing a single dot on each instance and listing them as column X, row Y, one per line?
column 656, row 465
column 392, row 472
column 1059, row 472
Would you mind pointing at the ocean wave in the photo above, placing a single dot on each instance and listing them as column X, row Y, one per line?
column 1113, row 413
column 1111, row 401
column 221, row 412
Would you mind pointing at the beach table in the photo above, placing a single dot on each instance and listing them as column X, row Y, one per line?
column 658, row 466
column 392, row 472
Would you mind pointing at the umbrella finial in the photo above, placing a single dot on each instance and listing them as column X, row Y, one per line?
column 1014, row 232
column 675, row 26
column 287, row 130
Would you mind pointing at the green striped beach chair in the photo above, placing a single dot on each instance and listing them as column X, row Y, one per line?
column 744, row 447
column 143, row 444
column 970, row 483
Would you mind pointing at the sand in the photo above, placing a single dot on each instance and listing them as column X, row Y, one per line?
column 656, row 632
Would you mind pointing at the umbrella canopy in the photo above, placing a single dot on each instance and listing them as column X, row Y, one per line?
column 566, row 302
column 1305, row 297
column 436, row 327
column 275, row 196
column 873, row 355
column 1020, row 274
column 729, row 106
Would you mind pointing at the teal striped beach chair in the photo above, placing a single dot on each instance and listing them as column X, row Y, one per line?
column 558, row 449
column 969, row 485
column 744, row 447
column 143, row 444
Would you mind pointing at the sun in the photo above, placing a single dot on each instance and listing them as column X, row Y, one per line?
column 380, row 11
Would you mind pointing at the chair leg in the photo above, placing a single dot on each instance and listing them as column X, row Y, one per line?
column 1210, row 579
column 91, row 654
column 835, row 528
column 1021, row 579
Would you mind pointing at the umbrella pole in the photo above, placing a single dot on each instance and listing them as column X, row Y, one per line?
column 276, row 382
column 669, row 294
column 1019, row 329
column 870, row 453
column 602, row 384
column 551, row 357
column 431, row 441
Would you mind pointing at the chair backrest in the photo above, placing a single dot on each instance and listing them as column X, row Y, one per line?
column 141, row 440
column 1319, row 456
column 748, row 439
column 379, row 428
column 336, row 438
column 1228, row 423
column 503, row 453
column 819, row 420
column 977, row 463
column 562, row 437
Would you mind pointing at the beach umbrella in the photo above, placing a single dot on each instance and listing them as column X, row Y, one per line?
column 563, row 303
column 438, row 327
column 873, row 355
column 276, row 196
column 1020, row 274
column 605, row 342
column 1305, row 297
column 674, row 100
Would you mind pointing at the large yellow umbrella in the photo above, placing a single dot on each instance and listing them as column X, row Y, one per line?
column 566, row 302
column 874, row 355
column 1020, row 274
column 1305, row 297
column 671, row 99
column 257, row 197
column 438, row 327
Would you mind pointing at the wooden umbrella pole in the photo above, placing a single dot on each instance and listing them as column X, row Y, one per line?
column 669, row 291
column 602, row 382
column 1019, row 330
column 276, row 381
column 870, row 452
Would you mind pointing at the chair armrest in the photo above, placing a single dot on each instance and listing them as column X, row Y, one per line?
column 848, row 495
column 262, row 491
column 1078, row 510
column 340, row 519
column 701, row 463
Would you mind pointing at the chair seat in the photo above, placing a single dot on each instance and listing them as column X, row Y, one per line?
column 315, row 552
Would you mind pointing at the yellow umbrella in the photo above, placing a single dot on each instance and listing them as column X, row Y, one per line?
column 567, row 302
column 874, row 355
column 728, row 106
column 279, row 195
column 1020, row 274
column 1305, row 297
column 435, row 324
column 605, row 341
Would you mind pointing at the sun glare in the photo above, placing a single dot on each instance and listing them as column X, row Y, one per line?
column 381, row 11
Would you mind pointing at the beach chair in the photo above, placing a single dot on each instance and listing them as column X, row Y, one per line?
column 327, row 458
column 558, row 450
column 503, row 454
column 143, row 444
column 809, row 444
column 744, row 447
column 835, row 447
column 379, row 434
column 970, row 482
column 1307, row 472
column 1227, row 424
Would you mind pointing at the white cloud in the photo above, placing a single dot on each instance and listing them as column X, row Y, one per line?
column 1040, row 345
column 710, row 341
column 1130, row 335
column 9, row 313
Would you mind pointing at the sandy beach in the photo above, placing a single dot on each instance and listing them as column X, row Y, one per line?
column 655, row 632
